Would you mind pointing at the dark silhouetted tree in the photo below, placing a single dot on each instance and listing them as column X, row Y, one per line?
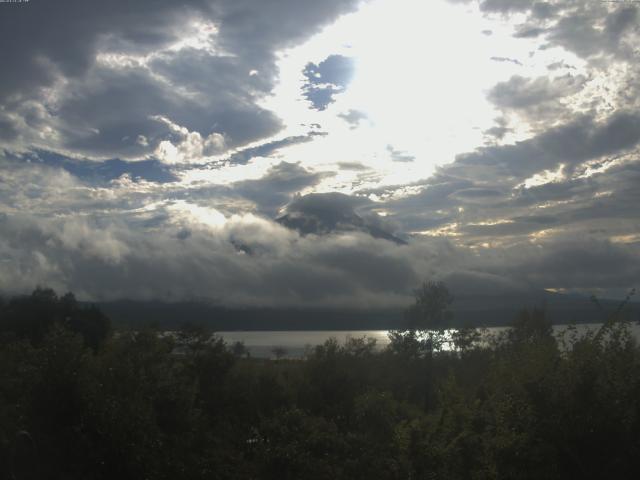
column 431, row 308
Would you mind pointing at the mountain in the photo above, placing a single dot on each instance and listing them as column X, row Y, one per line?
column 325, row 213
column 474, row 310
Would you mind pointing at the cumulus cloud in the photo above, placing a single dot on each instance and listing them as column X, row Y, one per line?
column 110, row 261
column 276, row 188
column 93, row 87
column 190, row 147
column 571, row 144
column 134, row 241
column 584, row 27
column 522, row 93
column 279, row 267
column 141, row 159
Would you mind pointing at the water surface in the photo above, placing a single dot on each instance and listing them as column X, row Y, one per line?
column 261, row 344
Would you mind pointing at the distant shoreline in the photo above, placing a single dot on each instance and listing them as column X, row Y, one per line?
column 478, row 312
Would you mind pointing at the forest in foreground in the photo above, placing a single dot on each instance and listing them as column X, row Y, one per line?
column 81, row 401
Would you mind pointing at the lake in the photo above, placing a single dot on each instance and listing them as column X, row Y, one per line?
column 295, row 343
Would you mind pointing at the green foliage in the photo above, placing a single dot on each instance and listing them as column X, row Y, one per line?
column 146, row 404
column 32, row 317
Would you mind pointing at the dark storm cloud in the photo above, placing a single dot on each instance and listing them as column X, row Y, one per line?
column 369, row 270
column 325, row 213
column 102, row 261
column 8, row 129
column 588, row 28
column 600, row 206
column 326, row 79
column 145, row 229
column 105, row 108
column 102, row 256
column 250, row 30
column 433, row 191
column 65, row 36
column 581, row 140
column 275, row 189
column 117, row 106
column 481, row 195
column 127, row 239
column 200, row 71
column 45, row 39
column 555, row 191
column 581, row 263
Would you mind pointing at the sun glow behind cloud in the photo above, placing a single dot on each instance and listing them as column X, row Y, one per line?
column 508, row 133
column 210, row 217
column 422, row 72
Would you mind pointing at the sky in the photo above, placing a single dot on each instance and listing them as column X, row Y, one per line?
column 327, row 153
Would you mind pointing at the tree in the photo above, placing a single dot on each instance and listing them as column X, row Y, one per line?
column 426, row 321
column 431, row 308
column 279, row 352
column 33, row 316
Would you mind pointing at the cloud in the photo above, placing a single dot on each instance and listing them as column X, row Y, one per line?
column 496, row 202
column 91, row 84
column 141, row 159
column 398, row 155
column 571, row 144
column 111, row 261
column 521, row 93
column 322, row 213
column 500, row 129
column 585, row 264
column 275, row 189
column 591, row 29
column 507, row 59
column 482, row 195
column 124, row 246
column 352, row 166
column 117, row 106
column 325, row 213
column 506, row 6
column 353, row 117
column 583, row 27
column 536, row 98
column 526, row 31
column 52, row 45
column 264, row 150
